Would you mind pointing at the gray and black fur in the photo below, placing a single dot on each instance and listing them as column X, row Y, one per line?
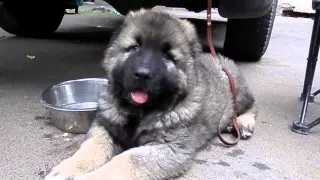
column 188, row 95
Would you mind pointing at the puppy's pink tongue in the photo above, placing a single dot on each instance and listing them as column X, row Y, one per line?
column 139, row 97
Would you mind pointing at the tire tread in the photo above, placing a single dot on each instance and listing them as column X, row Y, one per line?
column 248, row 39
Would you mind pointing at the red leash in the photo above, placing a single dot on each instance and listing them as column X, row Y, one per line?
column 231, row 81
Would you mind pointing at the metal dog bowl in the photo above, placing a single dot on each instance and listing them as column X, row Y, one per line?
column 72, row 104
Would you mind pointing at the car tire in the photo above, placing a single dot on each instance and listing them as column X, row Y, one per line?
column 248, row 39
column 30, row 19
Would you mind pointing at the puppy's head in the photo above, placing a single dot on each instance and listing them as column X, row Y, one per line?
column 148, row 58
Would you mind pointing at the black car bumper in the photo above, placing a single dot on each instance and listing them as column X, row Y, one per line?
column 244, row 8
column 226, row 8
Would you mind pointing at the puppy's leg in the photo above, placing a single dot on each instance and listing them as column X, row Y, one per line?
column 247, row 122
column 247, row 110
column 157, row 162
column 154, row 161
column 94, row 152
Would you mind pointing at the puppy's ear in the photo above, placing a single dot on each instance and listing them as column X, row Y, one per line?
column 132, row 14
column 192, row 35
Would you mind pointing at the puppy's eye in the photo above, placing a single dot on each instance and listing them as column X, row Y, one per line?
column 166, row 52
column 132, row 48
column 169, row 56
column 135, row 47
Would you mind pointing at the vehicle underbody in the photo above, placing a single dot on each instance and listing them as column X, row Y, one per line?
column 247, row 33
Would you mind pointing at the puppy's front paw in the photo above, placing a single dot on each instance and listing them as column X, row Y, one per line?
column 246, row 124
column 66, row 170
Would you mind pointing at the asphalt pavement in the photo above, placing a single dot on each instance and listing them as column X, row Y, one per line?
column 30, row 146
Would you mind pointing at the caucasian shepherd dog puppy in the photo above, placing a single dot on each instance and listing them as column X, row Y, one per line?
column 162, row 105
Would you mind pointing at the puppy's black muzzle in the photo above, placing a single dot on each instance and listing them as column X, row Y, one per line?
column 143, row 74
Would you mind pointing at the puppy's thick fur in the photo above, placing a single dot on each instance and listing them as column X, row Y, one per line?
column 187, row 95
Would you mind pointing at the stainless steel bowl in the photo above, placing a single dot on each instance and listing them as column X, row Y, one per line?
column 72, row 104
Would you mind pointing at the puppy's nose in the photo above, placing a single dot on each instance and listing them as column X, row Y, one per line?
column 143, row 73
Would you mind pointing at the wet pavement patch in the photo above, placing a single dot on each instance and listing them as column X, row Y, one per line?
column 48, row 123
column 261, row 166
column 199, row 161
column 235, row 153
column 49, row 136
column 222, row 163
column 41, row 118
